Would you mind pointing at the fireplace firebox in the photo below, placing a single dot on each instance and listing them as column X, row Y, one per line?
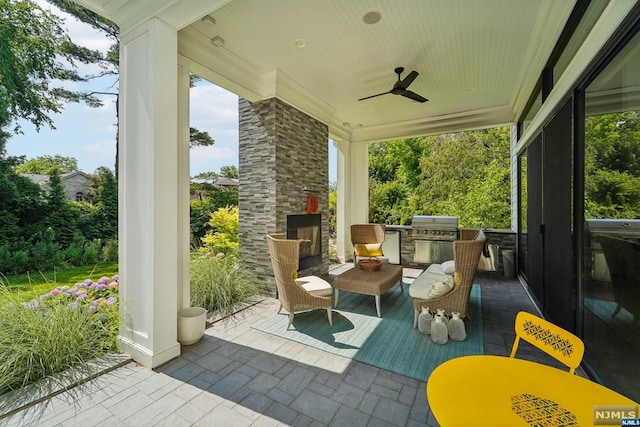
column 308, row 229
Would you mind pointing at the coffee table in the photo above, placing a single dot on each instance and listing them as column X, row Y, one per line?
column 373, row 283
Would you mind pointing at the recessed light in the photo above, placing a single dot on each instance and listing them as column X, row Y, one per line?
column 217, row 41
column 372, row 17
column 300, row 43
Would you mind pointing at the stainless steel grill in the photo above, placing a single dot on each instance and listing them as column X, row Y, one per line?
column 425, row 227
column 433, row 238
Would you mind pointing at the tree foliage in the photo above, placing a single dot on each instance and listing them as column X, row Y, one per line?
column 46, row 165
column 35, row 52
column 464, row 174
column 225, row 223
column 612, row 165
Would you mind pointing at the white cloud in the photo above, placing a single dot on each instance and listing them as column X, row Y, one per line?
column 214, row 109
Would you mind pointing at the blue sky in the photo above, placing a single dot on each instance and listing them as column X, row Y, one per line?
column 88, row 134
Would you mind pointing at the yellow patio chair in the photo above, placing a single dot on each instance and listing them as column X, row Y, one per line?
column 559, row 343
column 296, row 294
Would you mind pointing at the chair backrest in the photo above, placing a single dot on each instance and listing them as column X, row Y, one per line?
column 552, row 339
column 284, row 259
column 367, row 239
column 466, row 255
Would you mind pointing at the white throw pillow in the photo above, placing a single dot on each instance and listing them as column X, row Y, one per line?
column 481, row 236
column 439, row 289
column 448, row 267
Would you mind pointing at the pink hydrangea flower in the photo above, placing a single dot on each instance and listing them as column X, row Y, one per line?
column 110, row 301
column 104, row 280
column 112, row 285
column 116, row 278
column 220, row 255
column 82, row 296
column 56, row 292
column 100, row 287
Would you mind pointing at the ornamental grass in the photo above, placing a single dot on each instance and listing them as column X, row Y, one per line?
column 220, row 285
column 62, row 329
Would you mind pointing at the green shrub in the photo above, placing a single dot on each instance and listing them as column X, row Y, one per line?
column 91, row 251
column 109, row 251
column 221, row 285
column 224, row 237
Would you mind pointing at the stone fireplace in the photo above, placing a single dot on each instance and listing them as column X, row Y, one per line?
column 283, row 152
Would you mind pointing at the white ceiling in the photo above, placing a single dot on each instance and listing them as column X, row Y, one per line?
column 478, row 59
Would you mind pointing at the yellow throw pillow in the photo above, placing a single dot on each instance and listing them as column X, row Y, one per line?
column 368, row 249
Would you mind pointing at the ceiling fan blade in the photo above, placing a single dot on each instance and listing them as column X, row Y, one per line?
column 404, row 83
column 414, row 96
column 373, row 96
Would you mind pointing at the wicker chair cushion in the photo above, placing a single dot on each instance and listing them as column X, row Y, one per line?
column 421, row 288
column 315, row 285
column 368, row 249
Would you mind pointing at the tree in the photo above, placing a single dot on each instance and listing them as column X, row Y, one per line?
column 199, row 138
column 34, row 52
column 612, row 165
column 229, row 171
column 61, row 217
column 109, row 62
column 20, row 200
column 45, row 165
column 465, row 174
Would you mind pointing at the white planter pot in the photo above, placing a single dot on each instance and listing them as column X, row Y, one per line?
column 191, row 323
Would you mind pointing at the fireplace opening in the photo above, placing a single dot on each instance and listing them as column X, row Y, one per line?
column 308, row 229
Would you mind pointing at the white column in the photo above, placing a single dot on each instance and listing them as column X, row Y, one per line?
column 353, row 192
column 184, row 85
column 149, row 231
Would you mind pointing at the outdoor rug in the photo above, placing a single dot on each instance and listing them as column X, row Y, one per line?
column 389, row 342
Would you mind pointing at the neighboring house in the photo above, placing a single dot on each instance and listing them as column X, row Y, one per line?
column 75, row 183
column 221, row 182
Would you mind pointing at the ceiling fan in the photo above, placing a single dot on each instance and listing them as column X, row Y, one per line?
column 400, row 87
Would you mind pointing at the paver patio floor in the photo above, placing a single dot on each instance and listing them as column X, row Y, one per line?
column 238, row 376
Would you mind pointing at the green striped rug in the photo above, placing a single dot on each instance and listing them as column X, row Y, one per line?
column 389, row 342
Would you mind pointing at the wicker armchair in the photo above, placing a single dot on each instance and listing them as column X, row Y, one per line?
column 291, row 294
column 466, row 255
column 367, row 241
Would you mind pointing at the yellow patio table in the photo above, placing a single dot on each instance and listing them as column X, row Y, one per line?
column 502, row 391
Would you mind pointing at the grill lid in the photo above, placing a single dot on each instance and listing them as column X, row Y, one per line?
column 434, row 222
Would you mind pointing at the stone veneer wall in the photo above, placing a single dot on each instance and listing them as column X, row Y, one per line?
column 282, row 150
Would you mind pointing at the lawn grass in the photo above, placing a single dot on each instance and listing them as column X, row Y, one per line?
column 31, row 285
